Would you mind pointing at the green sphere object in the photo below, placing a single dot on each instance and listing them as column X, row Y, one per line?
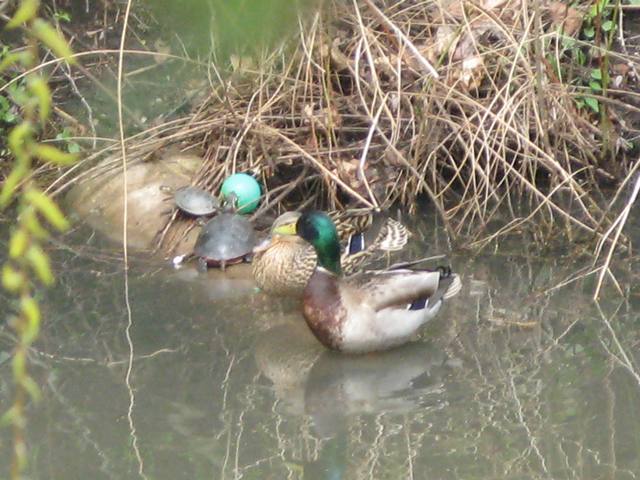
column 246, row 189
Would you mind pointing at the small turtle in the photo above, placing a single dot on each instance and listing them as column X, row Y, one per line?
column 195, row 201
column 226, row 239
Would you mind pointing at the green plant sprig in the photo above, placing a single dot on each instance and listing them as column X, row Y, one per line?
column 37, row 214
column 599, row 23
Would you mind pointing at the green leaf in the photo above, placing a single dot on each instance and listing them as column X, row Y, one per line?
column 30, row 220
column 12, row 279
column 31, row 387
column 4, row 107
column 52, row 39
column 589, row 32
column 595, row 86
column 26, row 12
column 25, row 58
column 596, row 74
column 10, row 417
column 6, row 114
column 62, row 15
column 51, row 154
column 18, row 136
column 40, row 263
column 47, row 208
column 607, row 25
column 39, row 88
column 11, row 118
column 18, row 243
column 10, row 185
column 65, row 135
column 8, row 61
column 592, row 103
column 19, row 364
column 31, row 312
column 19, row 93
column 73, row 147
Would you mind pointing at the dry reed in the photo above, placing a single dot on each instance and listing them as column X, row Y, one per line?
column 381, row 102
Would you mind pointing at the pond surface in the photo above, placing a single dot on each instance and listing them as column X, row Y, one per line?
column 519, row 377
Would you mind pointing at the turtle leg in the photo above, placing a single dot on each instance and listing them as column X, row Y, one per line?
column 202, row 264
column 179, row 260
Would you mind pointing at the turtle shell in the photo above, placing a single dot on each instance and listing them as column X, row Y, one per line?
column 225, row 239
column 195, row 201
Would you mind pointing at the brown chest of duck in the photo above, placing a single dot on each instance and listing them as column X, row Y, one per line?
column 226, row 239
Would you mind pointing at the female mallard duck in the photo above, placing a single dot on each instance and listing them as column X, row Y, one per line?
column 370, row 310
column 284, row 262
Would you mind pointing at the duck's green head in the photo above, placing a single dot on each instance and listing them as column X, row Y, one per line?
column 318, row 229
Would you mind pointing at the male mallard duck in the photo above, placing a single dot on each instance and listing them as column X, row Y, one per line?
column 284, row 262
column 370, row 310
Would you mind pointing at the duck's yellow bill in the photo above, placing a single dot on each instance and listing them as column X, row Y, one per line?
column 285, row 229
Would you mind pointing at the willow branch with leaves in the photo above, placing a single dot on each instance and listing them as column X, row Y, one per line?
column 37, row 215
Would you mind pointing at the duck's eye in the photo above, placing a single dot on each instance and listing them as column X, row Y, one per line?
column 306, row 229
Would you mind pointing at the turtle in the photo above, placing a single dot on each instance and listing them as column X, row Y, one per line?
column 195, row 201
column 226, row 239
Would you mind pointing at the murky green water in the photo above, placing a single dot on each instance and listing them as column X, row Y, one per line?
column 517, row 378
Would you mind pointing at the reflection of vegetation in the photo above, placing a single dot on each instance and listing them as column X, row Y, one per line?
column 234, row 26
column 517, row 385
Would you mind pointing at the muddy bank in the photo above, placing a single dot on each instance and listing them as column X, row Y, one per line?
column 99, row 199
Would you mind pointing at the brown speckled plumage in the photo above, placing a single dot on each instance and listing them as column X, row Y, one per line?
column 285, row 267
column 287, row 264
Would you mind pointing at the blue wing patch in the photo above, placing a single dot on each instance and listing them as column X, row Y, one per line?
column 355, row 244
column 418, row 304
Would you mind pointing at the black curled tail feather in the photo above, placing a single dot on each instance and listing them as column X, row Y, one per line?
column 445, row 271
column 448, row 287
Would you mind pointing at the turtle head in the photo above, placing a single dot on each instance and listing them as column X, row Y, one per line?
column 230, row 202
column 247, row 190
column 318, row 229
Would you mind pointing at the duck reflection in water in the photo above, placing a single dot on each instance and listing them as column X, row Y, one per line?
column 331, row 463
column 331, row 386
column 396, row 381
column 339, row 387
